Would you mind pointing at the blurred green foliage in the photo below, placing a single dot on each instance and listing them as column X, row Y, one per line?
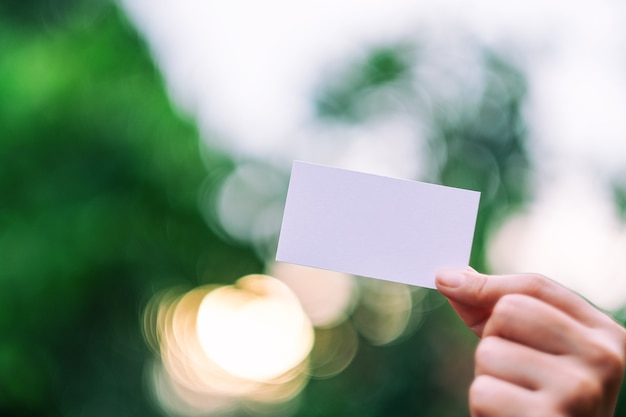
column 619, row 196
column 98, row 209
column 383, row 67
column 485, row 149
column 35, row 12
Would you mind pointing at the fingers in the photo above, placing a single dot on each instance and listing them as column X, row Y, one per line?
column 535, row 324
column 474, row 317
column 473, row 295
column 493, row 397
column 513, row 363
column 510, row 375
column 544, row 349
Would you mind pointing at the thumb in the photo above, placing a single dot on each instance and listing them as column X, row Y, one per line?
column 466, row 294
column 468, row 287
column 473, row 295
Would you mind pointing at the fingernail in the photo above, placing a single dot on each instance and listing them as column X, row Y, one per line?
column 451, row 278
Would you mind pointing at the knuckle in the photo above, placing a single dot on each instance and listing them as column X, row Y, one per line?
column 537, row 284
column 480, row 289
column 485, row 351
column 583, row 393
column 603, row 356
column 508, row 306
column 479, row 392
column 488, row 346
column 550, row 405
column 505, row 311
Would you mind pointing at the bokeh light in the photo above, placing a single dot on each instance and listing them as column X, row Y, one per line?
column 257, row 343
column 248, row 205
column 223, row 346
column 255, row 330
column 334, row 349
column 328, row 297
column 384, row 311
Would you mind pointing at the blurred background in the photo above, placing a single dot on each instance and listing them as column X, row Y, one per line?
column 145, row 150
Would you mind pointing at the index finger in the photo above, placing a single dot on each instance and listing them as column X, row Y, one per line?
column 473, row 294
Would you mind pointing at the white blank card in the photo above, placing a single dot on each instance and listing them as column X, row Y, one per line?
column 375, row 226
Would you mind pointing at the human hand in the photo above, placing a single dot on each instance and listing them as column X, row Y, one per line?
column 544, row 350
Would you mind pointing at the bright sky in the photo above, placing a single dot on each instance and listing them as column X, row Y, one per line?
column 247, row 71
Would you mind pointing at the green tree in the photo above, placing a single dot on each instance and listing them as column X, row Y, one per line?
column 99, row 177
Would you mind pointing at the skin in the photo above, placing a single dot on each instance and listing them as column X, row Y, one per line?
column 544, row 350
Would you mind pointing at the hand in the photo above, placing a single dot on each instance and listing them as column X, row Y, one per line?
column 544, row 350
